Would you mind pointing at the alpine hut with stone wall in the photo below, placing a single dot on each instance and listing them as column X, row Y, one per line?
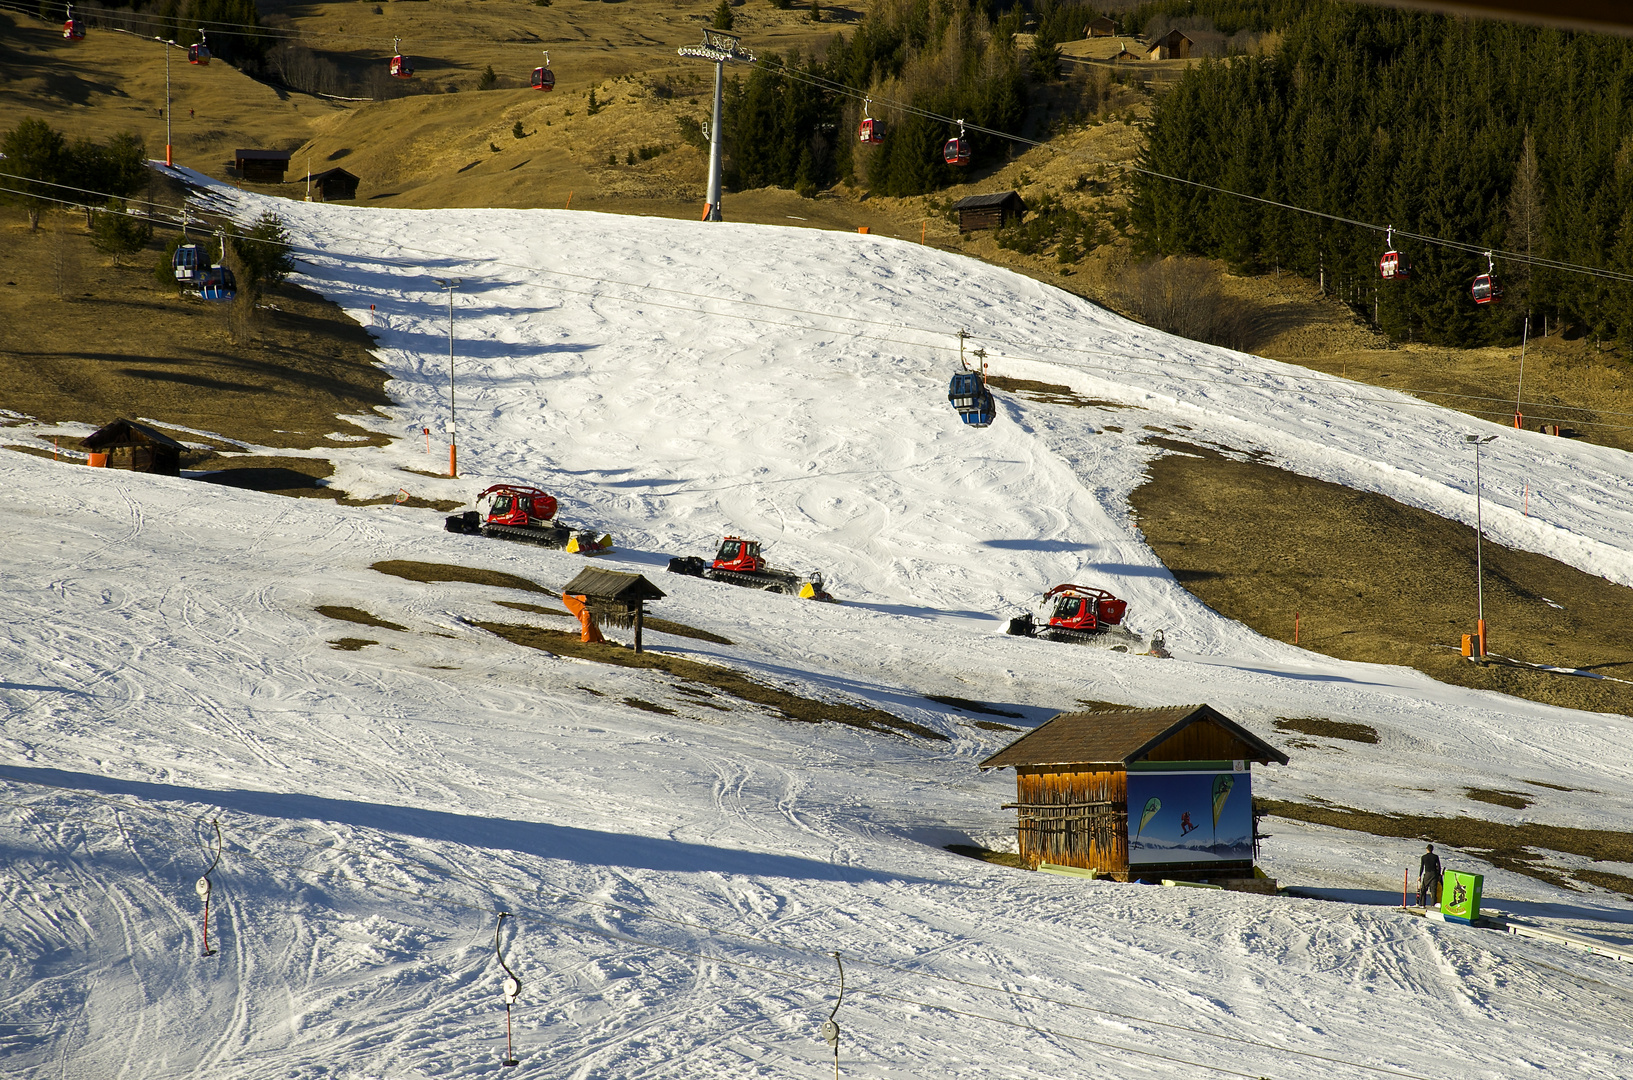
column 1139, row 793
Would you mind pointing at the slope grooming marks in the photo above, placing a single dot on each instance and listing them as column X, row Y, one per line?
column 664, row 862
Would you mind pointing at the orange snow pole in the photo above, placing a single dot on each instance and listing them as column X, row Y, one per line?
column 579, row 605
column 453, row 461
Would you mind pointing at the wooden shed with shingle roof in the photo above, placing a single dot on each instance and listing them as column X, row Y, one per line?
column 1138, row 792
column 614, row 598
column 989, row 211
column 125, row 444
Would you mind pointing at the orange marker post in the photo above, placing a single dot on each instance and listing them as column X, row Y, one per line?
column 453, row 462
column 1295, row 627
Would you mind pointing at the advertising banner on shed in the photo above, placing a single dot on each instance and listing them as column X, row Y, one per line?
column 1189, row 817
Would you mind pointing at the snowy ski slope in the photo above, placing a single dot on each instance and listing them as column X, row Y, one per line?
column 680, row 880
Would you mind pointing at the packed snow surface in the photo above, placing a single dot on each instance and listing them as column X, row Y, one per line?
column 682, row 867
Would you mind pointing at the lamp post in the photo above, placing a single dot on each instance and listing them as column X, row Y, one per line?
column 451, row 284
column 721, row 49
column 1479, row 560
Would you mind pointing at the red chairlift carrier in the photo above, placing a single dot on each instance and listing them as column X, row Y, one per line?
column 1486, row 289
column 400, row 67
column 543, row 78
column 957, row 150
column 870, row 131
column 1392, row 266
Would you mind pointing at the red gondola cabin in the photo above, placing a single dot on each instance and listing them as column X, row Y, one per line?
column 543, row 79
column 73, row 29
column 1486, row 290
column 1392, row 266
column 871, row 131
column 198, row 54
column 956, row 152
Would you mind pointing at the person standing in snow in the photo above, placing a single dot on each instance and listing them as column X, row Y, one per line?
column 1429, row 877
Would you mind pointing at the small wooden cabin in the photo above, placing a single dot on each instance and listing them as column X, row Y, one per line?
column 1123, row 55
column 614, row 598
column 261, row 166
column 989, row 211
column 1171, row 46
column 1104, row 26
column 1135, row 793
column 125, row 444
column 332, row 184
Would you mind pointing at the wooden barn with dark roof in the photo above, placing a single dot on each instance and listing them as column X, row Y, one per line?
column 125, row 444
column 989, row 211
column 261, row 166
column 1138, row 793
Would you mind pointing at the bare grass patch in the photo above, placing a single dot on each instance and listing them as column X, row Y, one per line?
column 351, row 644
column 1511, row 799
column 787, row 705
column 356, row 615
column 1509, row 847
column 987, row 855
column 1328, row 729
column 429, row 573
column 1376, row 581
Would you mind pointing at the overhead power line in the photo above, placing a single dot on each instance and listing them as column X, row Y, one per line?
column 907, row 109
column 1312, row 383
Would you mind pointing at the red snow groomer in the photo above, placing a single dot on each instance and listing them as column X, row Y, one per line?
column 1081, row 615
column 528, row 514
column 738, row 562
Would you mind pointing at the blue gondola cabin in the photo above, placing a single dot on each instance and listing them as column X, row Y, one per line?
column 1140, row 794
column 970, row 397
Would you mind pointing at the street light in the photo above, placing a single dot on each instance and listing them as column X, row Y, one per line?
column 1477, row 442
column 451, row 284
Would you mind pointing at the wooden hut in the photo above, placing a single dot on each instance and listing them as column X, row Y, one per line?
column 1123, row 55
column 125, row 444
column 1171, row 46
column 614, row 598
column 989, row 211
column 332, row 184
column 1104, row 26
column 1145, row 793
column 261, row 166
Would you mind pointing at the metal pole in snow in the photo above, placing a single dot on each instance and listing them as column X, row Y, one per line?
column 1525, row 336
column 714, row 146
column 720, row 49
column 1479, row 558
column 453, row 438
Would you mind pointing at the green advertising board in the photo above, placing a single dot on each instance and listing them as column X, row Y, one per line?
column 1460, row 896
